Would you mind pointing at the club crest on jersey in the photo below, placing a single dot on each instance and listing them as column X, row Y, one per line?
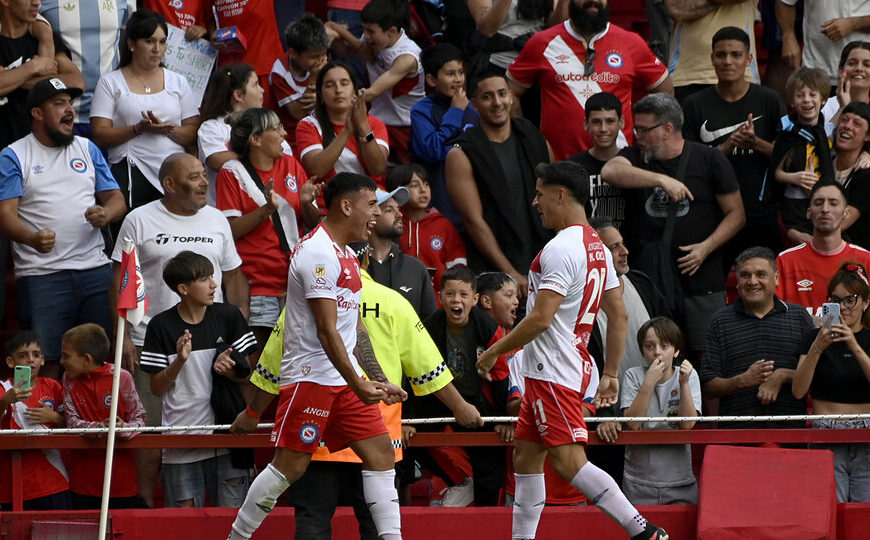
column 49, row 403
column 306, row 370
column 107, row 400
column 290, row 181
column 78, row 165
column 436, row 243
column 614, row 60
column 320, row 270
column 308, row 433
column 176, row 4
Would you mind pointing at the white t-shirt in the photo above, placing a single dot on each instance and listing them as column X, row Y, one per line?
column 114, row 100
column 319, row 269
column 55, row 186
column 663, row 465
column 393, row 107
column 212, row 138
column 576, row 265
column 159, row 235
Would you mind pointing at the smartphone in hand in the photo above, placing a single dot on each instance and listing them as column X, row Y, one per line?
column 22, row 373
column 830, row 309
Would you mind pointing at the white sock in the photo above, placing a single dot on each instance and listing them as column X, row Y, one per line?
column 602, row 491
column 529, row 499
column 262, row 496
column 379, row 490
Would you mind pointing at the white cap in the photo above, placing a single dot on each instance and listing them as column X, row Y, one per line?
column 401, row 194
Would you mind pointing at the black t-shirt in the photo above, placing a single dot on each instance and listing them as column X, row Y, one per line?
column 605, row 200
column 708, row 174
column 858, row 191
column 508, row 153
column 14, row 115
column 710, row 120
column 838, row 376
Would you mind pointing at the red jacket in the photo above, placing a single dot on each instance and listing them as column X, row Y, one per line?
column 86, row 401
column 436, row 242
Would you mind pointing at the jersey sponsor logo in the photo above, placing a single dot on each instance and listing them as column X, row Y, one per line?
column 37, row 169
column 614, row 60
column 291, row 184
column 163, row 238
column 349, row 304
column 805, row 285
column 708, row 136
column 308, row 433
column 316, row 412
column 405, row 289
column 107, row 400
column 79, row 165
column 436, row 243
column 605, row 77
column 579, row 433
column 319, row 270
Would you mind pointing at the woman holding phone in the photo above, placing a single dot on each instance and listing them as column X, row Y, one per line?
column 835, row 369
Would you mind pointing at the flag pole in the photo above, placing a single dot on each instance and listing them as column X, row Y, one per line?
column 110, row 443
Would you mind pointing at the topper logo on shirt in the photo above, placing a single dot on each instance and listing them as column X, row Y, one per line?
column 614, row 60
column 436, row 243
column 290, row 181
column 78, row 165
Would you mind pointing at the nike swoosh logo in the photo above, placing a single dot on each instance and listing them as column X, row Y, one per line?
column 710, row 136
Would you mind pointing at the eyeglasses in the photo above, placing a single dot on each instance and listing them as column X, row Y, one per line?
column 847, row 301
column 639, row 132
column 588, row 65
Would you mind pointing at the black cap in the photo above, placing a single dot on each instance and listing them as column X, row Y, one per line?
column 47, row 89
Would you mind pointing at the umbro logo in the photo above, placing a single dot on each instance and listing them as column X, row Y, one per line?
column 805, row 285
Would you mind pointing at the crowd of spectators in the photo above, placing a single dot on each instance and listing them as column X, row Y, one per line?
column 696, row 172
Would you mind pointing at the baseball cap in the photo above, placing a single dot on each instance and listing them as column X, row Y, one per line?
column 48, row 88
column 401, row 194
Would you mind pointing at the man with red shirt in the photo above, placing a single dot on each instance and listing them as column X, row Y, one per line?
column 805, row 270
column 577, row 59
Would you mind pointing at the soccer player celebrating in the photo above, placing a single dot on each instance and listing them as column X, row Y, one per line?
column 569, row 279
column 322, row 392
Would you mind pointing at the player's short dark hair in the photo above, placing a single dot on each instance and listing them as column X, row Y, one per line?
column 572, row 176
column 603, row 101
column 829, row 183
column 253, row 121
column 481, row 75
column 89, row 339
column 666, row 330
column 859, row 108
column 755, row 252
column 346, row 182
column 433, row 58
column 460, row 273
column 386, row 14
column 306, row 33
column 20, row 339
column 664, row 107
column 186, row 267
column 402, row 174
column 814, row 79
column 600, row 223
column 490, row 282
column 732, row 33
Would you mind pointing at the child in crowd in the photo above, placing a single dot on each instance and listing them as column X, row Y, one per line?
column 802, row 150
column 183, row 345
column 660, row 474
column 440, row 116
column 462, row 331
column 87, row 398
column 33, row 404
column 428, row 235
column 392, row 60
column 293, row 75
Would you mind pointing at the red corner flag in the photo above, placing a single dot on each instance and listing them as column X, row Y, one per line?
column 132, row 300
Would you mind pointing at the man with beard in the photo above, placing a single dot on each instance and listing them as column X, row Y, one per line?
column 388, row 265
column 805, row 270
column 581, row 57
column 490, row 175
column 48, row 182
column 22, row 66
column 684, row 205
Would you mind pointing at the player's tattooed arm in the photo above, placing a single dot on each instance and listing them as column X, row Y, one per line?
column 365, row 355
column 688, row 10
